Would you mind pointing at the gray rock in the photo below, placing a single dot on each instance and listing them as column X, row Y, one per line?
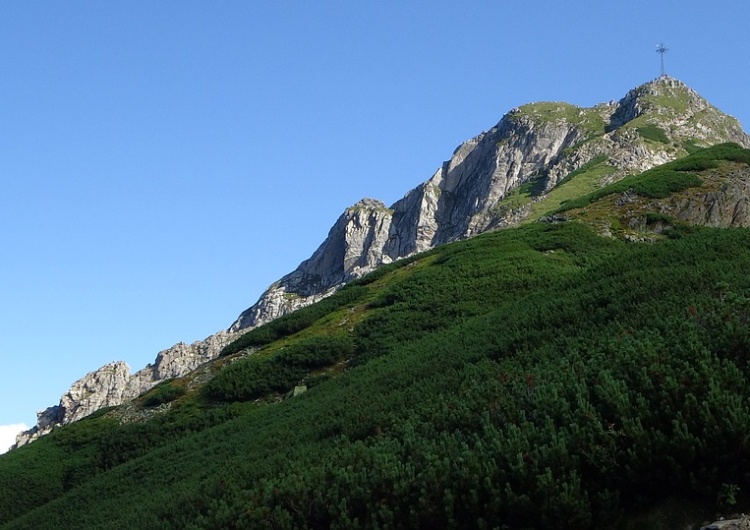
column 47, row 419
column 353, row 248
column 728, row 206
column 102, row 388
column 113, row 384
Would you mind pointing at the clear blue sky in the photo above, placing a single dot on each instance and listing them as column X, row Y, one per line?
column 161, row 163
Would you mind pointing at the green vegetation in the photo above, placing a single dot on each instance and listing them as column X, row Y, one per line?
column 653, row 133
column 541, row 377
column 584, row 180
column 163, row 393
column 590, row 119
column 258, row 375
column 296, row 321
column 675, row 99
column 596, row 161
column 522, row 195
column 655, row 217
column 667, row 179
column 578, row 182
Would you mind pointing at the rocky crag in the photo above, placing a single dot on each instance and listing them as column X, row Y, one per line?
column 499, row 178
column 113, row 383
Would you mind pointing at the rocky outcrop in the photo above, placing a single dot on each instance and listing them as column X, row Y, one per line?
column 727, row 206
column 102, row 388
column 177, row 361
column 46, row 420
column 721, row 201
column 354, row 247
column 113, row 384
column 537, row 144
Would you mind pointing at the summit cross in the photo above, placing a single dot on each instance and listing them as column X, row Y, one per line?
column 661, row 49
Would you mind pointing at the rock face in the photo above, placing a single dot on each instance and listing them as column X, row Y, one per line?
column 176, row 361
column 534, row 146
column 728, row 206
column 113, row 384
column 46, row 420
column 102, row 388
column 353, row 248
column 538, row 144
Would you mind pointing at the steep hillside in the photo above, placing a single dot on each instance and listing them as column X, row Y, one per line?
column 547, row 376
column 538, row 156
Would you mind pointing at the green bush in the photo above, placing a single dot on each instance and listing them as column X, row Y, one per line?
column 163, row 393
column 653, row 133
column 258, row 375
column 252, row 378
column 316, row 352
column 655, row 217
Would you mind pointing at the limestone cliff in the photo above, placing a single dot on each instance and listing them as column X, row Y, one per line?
column 113, row 384
column 353, row 248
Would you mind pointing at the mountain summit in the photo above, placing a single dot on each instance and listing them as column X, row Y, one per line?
column 536, row 157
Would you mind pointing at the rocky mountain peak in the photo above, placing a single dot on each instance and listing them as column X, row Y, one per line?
column 664, row 95
column 678, row 110
column 533, row 147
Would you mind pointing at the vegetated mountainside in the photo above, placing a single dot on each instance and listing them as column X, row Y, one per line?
column 536, row 157
column 549, row 376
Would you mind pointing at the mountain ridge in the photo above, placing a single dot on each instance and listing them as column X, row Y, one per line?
column 538, row 377
column 458, row 200
column 492, row 180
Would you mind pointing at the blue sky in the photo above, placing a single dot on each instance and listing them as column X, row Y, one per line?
column 161, row 163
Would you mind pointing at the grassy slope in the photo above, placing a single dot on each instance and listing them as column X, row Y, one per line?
column 537, row 377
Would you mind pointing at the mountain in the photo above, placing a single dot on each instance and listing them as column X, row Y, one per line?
column 537, row 156
column 587, row 370
column 535, row 146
